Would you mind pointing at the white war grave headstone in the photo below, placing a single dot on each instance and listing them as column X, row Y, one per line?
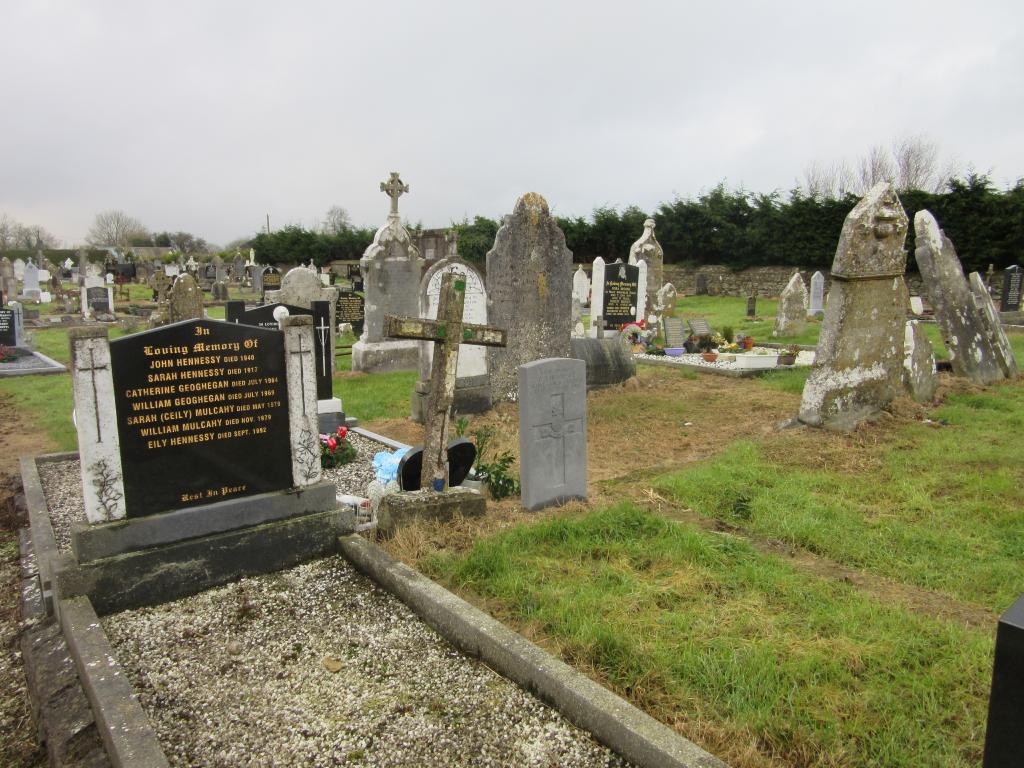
column 529, row 290
column 552, row 431
column 391, row 267
column 472, row 387
column 581, row 286
column 858, row 366
column 817, row 295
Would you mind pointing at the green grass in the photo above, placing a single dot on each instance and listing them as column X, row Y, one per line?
column 941, row 511
column 703, row 628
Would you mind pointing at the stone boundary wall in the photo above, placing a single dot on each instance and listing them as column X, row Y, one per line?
column 760, row 281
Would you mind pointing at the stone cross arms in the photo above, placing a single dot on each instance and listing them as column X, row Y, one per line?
column 447, row 332
column 394, row 188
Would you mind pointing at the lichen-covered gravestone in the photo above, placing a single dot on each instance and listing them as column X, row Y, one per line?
column 648, row 249
column 529, row 289
column 859, row 363
column 552, row 431
column 919, row 373
column 978, row 348
column 391, row 267
column 817, row 294
column 791, row 317
column 185, row 300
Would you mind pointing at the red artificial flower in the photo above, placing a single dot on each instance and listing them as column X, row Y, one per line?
column 342, row 431
column 332, row 443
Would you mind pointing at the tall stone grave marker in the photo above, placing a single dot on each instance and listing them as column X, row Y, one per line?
column 993, row 322
column 472, row 393
column 30, row 281
column 8, row 284
column 817, row 295
column 858, row 368
column 391, row 267
column 350, row 309
column 791, row 316
column 752, row 306
column 184, row 300
column 97, row 297
column 977, row 347
column 1009, row 299
column 919, row 373
column 552, row 431
column 19, row 269
column 581, row 286
column 701, row 285
column 649, row 250
column 237, row 268
column 529, row 287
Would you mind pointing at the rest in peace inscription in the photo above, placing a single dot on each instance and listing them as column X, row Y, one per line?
column 202, row 414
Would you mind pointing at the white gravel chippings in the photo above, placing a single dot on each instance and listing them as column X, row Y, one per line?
column 317, row 666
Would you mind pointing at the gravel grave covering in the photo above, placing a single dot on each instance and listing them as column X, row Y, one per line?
column 804, row 357
column 317, row 666
column 62, row 485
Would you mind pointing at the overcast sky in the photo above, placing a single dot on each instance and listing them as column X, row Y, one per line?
column 206, row 116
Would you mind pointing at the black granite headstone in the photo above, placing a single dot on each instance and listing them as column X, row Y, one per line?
column 461, row 455
column 98, row 299
column 350, row 309
column 202, row 411
column 271, row 281
column 263, row 317
column 1010, row 299
column 8, row 333
column 621, row 291
column 1004, row 743
column 751, row 306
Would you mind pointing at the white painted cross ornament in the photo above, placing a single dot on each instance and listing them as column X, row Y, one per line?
column 447, row 332
column 302, row 370
column 324, row 331
column 394, row 188
column 91, row 370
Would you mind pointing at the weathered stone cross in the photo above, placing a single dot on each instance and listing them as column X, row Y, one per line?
column 394, row 188
column 447, row 333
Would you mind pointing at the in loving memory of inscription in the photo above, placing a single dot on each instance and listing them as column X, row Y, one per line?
column 202, row 410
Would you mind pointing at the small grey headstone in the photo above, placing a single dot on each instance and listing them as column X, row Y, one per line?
column 791, row 316
column 675, row 335
column 817, row 294
column 552, row 431
column 699, row 327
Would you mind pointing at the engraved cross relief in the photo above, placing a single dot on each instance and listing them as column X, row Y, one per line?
column 394, row 188
column 91, row 369
column 302, row 370
column 556, row 430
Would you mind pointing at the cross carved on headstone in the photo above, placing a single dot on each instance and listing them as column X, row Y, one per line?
column 558, row 427
column 447, row 332
column 302, row 370
column 394, row 188
column 91, row 369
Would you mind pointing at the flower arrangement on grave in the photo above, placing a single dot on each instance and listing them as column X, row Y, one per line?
column 730, row 349
column 7, row 354
column 336, row 449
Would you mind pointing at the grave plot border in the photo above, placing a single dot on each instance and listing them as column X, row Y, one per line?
column 128, row 736
column 49, row 367
column 738, row 373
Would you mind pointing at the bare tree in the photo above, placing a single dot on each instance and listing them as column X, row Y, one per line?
column 114, row 228
column 15, row 235
column 875, row 166
column 336, row 221
column 917, row 160
column 828, row 182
